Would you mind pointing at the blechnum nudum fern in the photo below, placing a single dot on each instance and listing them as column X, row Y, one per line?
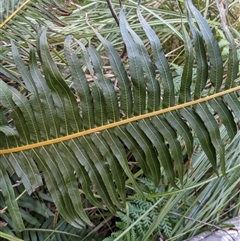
column 84, row 144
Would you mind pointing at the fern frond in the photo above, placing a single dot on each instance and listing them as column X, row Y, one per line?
column 44, row 129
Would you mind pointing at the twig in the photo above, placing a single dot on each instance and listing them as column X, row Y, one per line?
column 110, row 6
column 15, row 185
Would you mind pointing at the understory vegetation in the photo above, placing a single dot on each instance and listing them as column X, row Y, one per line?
column 119, row 120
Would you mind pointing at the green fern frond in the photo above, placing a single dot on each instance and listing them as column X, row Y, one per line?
column 81, row 135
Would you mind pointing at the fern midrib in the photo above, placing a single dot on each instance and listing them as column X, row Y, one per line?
column 118, row 123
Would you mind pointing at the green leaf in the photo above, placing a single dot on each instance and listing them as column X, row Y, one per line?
column 46, row 106
column 28, row 171
column 106, row 87
column 201, row 59
column 6, row 98
column 114, row 166
column 7, row 131
column 133, row 146
column 102, row 169
column 213, row 129
column 121, row 76
column 81, row 85
column 233, row 61
column 9, row 197
column 158, row 142
column 160, row 62
column 202, row 134
column 91, row 169
column 118, row 151
column 9, row 237
column 135, row 66
column 233, row 102
column 64, row 100
column 225, row 115
column 99, row 106
column 216, row 64
column 183, row 130
column 58, row 185
column 152, row 85
column 174, row 146
column 150, row 155
column 186, row 79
